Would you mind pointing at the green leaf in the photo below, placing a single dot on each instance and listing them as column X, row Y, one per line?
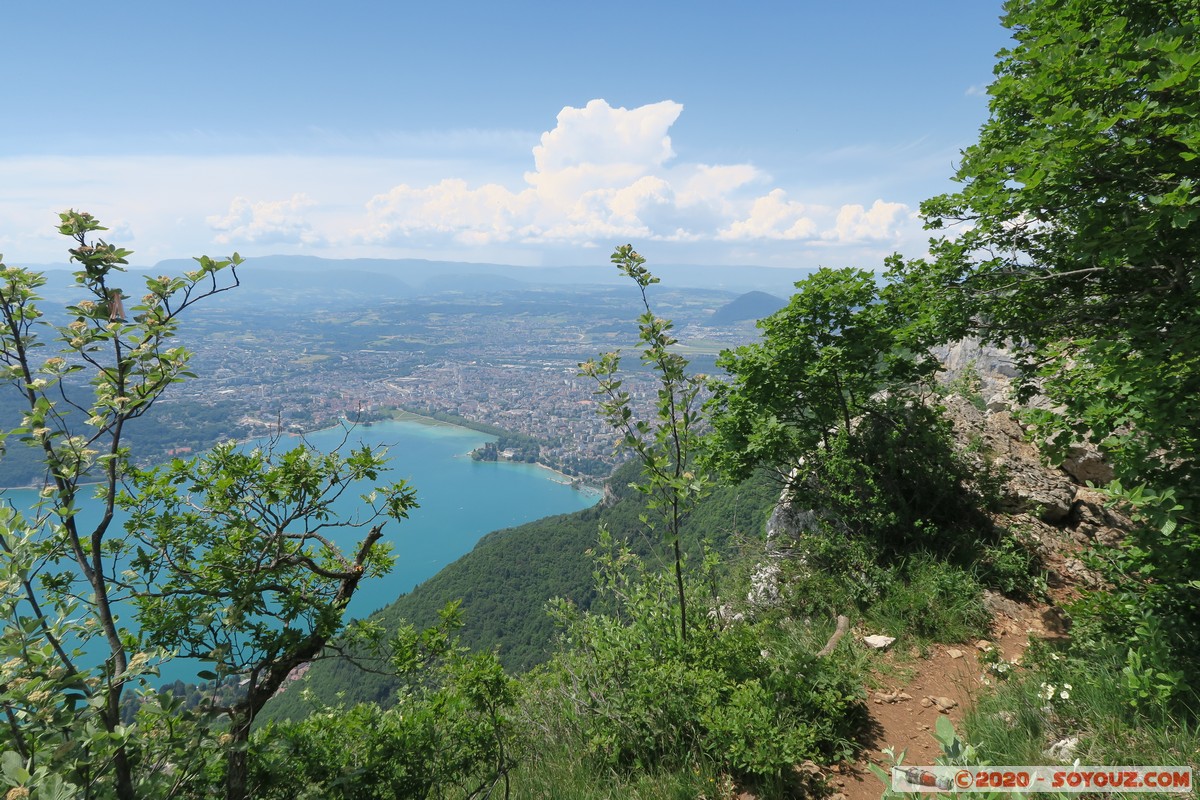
column 944, row 731
column 13, row 768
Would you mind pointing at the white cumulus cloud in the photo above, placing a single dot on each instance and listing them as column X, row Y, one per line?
column 601, row 135
column 449, row 208
column 879, row 222
column 605, row 173
column 773, row 216
column 601, row 172
column 714, row 185
column 266, row 222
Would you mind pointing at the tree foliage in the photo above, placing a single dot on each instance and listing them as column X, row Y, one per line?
column 630, row 695
column 643, row 693
column 822, row 361
column 64, row 566
column 226, row 558
column 447, row 731
column 666, row 445
column 1074, row 239
column 235, row 564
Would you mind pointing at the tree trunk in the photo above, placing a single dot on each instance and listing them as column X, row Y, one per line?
column 237, row 765
column 683, row 636
column 122, row 769
column 124, row 774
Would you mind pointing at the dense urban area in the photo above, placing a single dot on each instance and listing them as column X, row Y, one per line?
column 510, row 362
column 502, row 359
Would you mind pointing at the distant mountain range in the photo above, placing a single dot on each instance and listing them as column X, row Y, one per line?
column 280, row 276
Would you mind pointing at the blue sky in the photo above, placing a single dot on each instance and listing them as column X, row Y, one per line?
column 781, row 133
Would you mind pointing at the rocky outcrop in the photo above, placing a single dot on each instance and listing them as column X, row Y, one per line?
column 994, row 373
column 785, row 527
column 993, row 367
column 1087, row 466
column 788, row 522
column 1051, row 509
column 998, row 442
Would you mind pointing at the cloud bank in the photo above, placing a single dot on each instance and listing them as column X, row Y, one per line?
column 606, row 173
column 265, row 222
column 602, row 175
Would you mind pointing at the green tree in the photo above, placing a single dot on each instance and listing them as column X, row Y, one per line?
column 234, row 563
column 130, row 365
column 665, row 446
column 254, row 523
column 822, row 361
column 834, row 399
column 1074, row 240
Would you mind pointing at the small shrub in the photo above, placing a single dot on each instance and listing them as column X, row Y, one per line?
column 932, row 599
column 448, row 735
column 967, row 384
column 639, row 699
column 896, row 481
column 833, row 571
column 996, row 665
column 1009, row 566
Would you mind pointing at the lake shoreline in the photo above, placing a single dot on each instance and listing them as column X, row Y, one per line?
column 459, row 504
column 579, row 484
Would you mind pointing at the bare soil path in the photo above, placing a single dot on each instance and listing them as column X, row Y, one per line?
column 915, row 689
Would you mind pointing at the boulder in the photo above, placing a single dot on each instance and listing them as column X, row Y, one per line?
column 878, row 641
column 1086, row 465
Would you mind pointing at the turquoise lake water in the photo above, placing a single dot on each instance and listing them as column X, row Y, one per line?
column 460, row 500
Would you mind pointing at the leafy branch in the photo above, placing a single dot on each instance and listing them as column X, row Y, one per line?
column 665, row 446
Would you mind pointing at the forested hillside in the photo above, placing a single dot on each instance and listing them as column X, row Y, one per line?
column 506, row 581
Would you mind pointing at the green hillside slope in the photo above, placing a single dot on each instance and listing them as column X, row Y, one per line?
column 505, row 581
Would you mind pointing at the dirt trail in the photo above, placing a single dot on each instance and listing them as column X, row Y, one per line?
column 903, row 710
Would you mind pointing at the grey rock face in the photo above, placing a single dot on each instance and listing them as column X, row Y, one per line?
column 1087, row 466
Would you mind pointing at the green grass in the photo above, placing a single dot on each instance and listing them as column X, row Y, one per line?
column 560, row 772
column 918, row 596
column 1022, row 718
column 932, row 600
column 400, row 415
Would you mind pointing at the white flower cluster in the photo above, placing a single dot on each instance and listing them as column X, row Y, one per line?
column 724, row 615
column 764, row 586
column 10, row 668
column 1049, row 690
